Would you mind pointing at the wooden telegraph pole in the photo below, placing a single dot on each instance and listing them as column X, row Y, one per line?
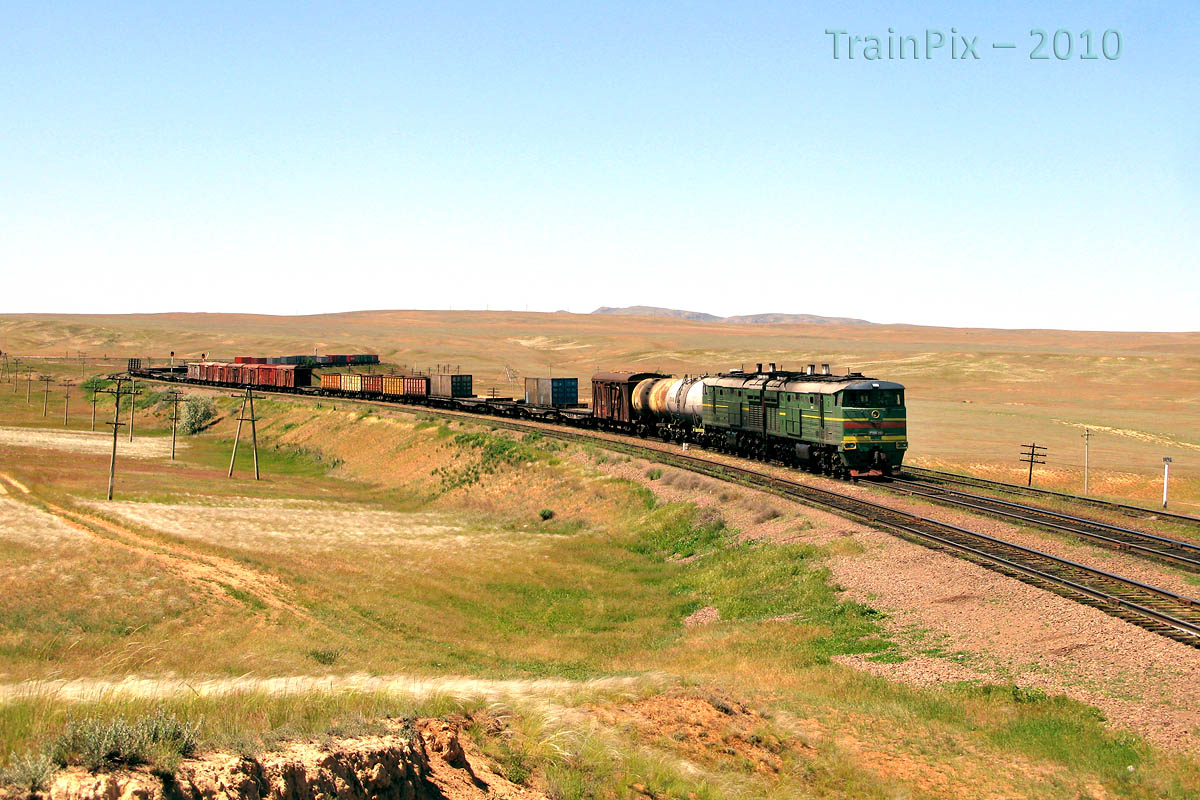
column 132, row 404
column 95, row 387
column 45, row 379
column 248, row 398
column 1033, row 454
column 67, row 384
column 175, row 394
column 116, row 426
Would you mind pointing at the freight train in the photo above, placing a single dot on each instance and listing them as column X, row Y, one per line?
column 847, row 426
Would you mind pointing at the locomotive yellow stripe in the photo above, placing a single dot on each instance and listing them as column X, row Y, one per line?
column 869, row 439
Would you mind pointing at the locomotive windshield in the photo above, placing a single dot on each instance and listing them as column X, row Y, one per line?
column 874, row 398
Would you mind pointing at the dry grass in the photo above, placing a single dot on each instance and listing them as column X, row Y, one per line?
column 974, row 395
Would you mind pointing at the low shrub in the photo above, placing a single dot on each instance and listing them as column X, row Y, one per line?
column 29, row 772
column 158, row 738
column 198, row 412
column 325, row 656
column 546, row 514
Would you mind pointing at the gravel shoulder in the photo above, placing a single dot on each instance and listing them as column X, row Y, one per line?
column 956, row 621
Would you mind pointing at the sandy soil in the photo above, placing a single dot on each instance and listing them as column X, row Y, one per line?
column 957, row 621
column 207, row 572
column 20, row 522
column 310, row 526
column 91, row 443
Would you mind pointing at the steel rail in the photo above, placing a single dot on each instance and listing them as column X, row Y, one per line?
column 1186, row 554
column 1137, row 609
column 1014, row 488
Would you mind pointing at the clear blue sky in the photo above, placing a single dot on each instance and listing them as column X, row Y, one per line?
column 307, row 157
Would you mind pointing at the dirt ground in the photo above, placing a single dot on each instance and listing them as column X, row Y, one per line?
column 97, row 443
column 956, row 621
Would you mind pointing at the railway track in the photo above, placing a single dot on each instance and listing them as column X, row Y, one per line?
column 1140, row 512
column 1173, row 551
column 1153, row 608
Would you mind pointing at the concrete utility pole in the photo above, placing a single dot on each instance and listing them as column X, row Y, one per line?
column 247, row 398
column 1166, row 477
column 67, row 384
column 1087, row 435
column 45, row 379
column 175, row 393
column 28, row 385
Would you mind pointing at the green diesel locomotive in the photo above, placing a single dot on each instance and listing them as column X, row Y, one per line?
column 841, row 425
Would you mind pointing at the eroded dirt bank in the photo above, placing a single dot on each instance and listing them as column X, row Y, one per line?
column 425, row 760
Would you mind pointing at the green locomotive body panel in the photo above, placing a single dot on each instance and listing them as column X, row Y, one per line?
column 862, row 420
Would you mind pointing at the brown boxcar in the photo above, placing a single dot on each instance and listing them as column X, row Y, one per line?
column 392, row 385
column 289, row 376
column 372, row 383
column 612, row 394
column 331, row 380
column 445, row 384
column 416, row 385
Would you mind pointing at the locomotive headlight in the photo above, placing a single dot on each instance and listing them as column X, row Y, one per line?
column 901, row 445
column 850, row 446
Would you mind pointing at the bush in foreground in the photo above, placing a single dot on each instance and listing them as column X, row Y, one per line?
column 29, row 772
column 159, row 738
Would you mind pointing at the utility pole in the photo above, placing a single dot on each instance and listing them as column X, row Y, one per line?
column 1033, row 454
column 175, row 393
column 95, row 391
column 132, row 404
column 246, row 398
column 1166, row 477
column 67, row 384
column 116, row 426
column 28, row 385
column 1087, row 435
column 45, row 379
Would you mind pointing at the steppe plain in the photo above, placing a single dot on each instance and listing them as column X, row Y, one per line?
column 658, row 635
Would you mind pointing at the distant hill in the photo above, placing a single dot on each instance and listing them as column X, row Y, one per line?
column 655, row 311
column 807, row 319
column 746, row 319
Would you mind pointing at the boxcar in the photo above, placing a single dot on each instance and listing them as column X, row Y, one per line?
column 351, row 382
column 331, row 380
column 392, row 385
column 290, row 376
column 612, row 395
column 416, row 385
column 555, row 392
column 444, row 384
column 372, row 383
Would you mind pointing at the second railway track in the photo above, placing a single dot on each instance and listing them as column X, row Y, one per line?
column 1173, row 551
column 1153, row 608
